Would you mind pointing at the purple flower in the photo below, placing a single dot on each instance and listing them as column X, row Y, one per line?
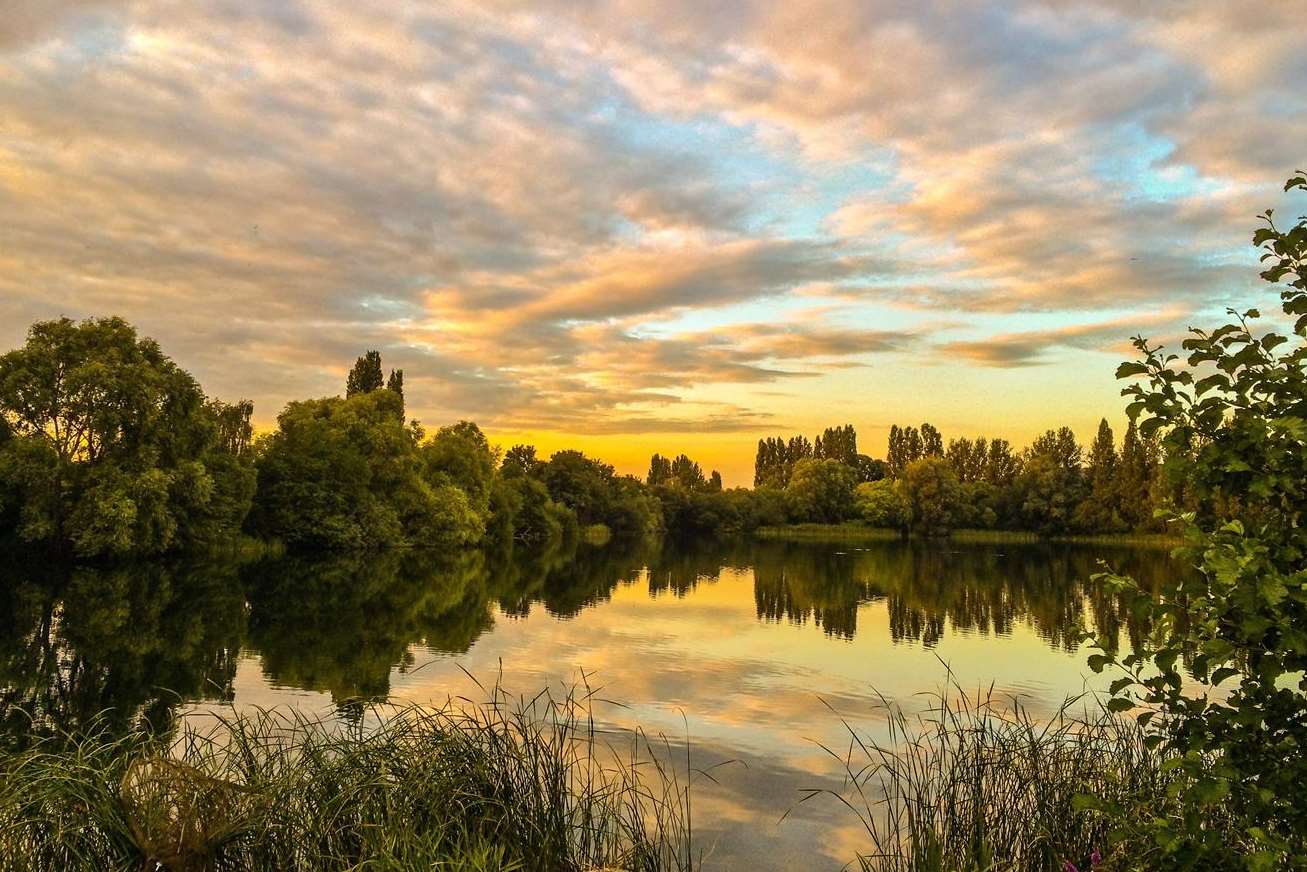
column 1095, row 858
column 1068, row 866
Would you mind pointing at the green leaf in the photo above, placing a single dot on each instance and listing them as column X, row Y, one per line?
column 1222, row 674
column 1129, row 369
column 1212, row 381
column 1086, row 802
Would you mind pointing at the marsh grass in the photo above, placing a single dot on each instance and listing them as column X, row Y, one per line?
column 975, row 783
column 508, row 783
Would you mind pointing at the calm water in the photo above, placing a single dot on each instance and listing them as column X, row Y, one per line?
column 744, row 645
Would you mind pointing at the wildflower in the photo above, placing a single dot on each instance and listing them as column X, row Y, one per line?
column 1095, row 858
column 1068, row 866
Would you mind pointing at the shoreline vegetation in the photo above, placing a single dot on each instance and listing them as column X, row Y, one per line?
column 526, row 783
column 111, row 451
column 855, row 532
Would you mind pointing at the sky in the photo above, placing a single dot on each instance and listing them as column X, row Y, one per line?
column 650, row 225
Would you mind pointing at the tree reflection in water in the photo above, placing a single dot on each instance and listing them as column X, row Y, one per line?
column 128, row 644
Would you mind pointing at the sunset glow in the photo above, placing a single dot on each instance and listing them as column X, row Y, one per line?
column 649, row 226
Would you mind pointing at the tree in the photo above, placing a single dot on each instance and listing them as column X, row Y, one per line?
column 395, row 384
column 460, row 455
column 633, row 512
column 775, row 460
column 821, row 491
column 1002, row 465
column 520, row 462
column 768, row 462
column 660, row 471
column 540, row 519
column 366, row 376
column 1137, row 472
column 870, row 469
column 580, row 483
column 112, row 449
column 1098, row 512
column 932, row 495
column 1232, row 419
column 908, row 445
column 687, row 475
column 932, row 443
column 347, row 473
column 838, row 443
column 881, row 504
column 968, row 459
column 1051, row 484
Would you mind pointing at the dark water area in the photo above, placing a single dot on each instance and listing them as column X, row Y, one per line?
column 745, row 648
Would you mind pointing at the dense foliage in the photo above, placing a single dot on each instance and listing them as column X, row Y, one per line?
column 109, row 449
column 348, row 473
column 1232, row 417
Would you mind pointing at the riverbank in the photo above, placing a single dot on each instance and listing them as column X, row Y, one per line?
column 508, row 784
column 853, row 532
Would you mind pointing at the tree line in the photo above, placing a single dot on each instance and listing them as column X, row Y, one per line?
column 1053, row 486
column 109, row 449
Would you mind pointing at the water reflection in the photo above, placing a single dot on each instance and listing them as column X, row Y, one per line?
column 926, row 586
column 136, row 641
column 126, row 645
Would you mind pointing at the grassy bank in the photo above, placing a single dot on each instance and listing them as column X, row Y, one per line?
column 977, row 784
column 854, row 532
column 526, row 784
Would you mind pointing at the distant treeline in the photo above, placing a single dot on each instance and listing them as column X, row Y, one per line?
column 1053, row 486
column 109, row 449
column 924, row 485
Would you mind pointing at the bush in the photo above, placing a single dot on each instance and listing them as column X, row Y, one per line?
column 880, row 504
column 932, row 495
column 821, row 491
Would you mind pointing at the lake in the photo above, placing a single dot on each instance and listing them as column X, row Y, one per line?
column 754, row 650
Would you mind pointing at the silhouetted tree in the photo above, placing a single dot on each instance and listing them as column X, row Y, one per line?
column 932, row 443
column 366, row 376
column 660, row 471
column 838, row 443
column 395, row 383
column 521, row 461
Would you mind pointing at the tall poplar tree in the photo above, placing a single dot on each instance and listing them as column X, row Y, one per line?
column 366, row 376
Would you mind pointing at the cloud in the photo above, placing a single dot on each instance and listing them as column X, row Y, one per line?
column 1033, row 347
column 512, row 201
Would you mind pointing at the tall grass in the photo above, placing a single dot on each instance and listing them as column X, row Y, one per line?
column 510, row 783
column 978, row 784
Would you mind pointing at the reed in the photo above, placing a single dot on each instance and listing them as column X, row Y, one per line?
column 979, row 784
column 509, row 783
